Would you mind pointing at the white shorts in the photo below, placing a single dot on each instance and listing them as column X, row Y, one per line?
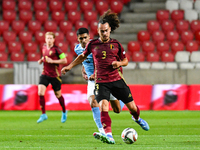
column 90, row 90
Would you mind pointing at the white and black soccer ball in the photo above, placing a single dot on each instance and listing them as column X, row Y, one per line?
column 129, row 135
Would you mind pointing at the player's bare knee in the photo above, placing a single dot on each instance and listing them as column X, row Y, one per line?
column 116, row 110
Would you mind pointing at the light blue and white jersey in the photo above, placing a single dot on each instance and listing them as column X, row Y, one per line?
column 88, row 62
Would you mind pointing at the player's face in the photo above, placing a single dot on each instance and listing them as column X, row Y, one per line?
column 83, row 39
column 104, row 32
column 49, row 40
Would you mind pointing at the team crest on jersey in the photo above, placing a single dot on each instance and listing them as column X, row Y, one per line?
column 111, row 46
column 50, row 52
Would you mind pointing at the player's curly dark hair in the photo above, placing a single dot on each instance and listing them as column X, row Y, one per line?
column 111, row 18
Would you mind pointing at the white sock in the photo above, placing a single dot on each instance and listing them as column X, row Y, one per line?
column 101, row 130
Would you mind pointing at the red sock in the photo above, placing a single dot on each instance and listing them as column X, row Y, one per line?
column 42, row 104
column 136, row 114
column 106, row 122
column 62, row 103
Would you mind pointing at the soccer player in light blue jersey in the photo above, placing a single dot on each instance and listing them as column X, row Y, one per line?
column 88, row 74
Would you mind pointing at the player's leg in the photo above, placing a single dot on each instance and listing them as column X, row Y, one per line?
column 123, row 92
column 56, row 85
column 94, row 105
column 43, row 83
column 135, row 112
column 102, row 95
column 117, row 105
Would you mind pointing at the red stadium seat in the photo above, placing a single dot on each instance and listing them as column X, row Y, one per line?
column 65, row 26
column 153, row 57
column 101, row 6
column 50, row 26
column 6, row 65
column 148, row 46
column 41, row 15
column 33, row 56
column 192, row 46
column 90, row 16
column 59, row 36
column 158, row 36
column 25, row 15
column 2, row 46
column 177, row 46
column 167, row 57
column 197, row 36
column 4, row 26
column 62, row 45
column 133, row 46
column 172, row 36
column 55, row 5
column 8, row 5
column 182, row 25
column 153, row 26
column 17, row 26
column 34, row 25
column 40, row 36
column 195, row 25
column 177, row 15
column 167, row 25
column 17, row 56
column 162, row 15
column 187, row 36
column 24, row 5
column 25, row 36
column 3, row 56
column 71, row 5
column 86, row 5
column 30, row 47
column 40, row 5
column 93, row 27
column 70, row 57
column 138, row 57
column 74, row 16
column 14, row 46
column 58, row 16
column 9, row 36
column 80, row 24
column 162, row 47
column 71, row 36
column 9, row 15
column 143, row 36
column 116, row 6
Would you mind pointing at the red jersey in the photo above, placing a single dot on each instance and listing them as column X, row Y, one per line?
column 104, row 54
column 51, row 70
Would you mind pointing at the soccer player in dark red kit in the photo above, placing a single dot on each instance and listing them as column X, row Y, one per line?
column 52, row 57
column 109, row 56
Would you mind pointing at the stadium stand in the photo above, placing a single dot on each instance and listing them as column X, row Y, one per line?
column 164, row 28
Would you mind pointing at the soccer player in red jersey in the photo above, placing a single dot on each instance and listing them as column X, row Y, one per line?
column 52, row 57
column 109, row 56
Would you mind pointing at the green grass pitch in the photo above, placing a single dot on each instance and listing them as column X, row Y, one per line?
column 169, row 130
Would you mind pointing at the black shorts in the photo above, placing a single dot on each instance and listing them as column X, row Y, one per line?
column 119, row 89
column 55, row 82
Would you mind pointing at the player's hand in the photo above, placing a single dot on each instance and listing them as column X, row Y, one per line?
column 65, row 69
column 49, row 60
column 91, row 78
column 85, row 76
column 115, row 64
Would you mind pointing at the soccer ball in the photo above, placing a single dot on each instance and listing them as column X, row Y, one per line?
column 129, row 135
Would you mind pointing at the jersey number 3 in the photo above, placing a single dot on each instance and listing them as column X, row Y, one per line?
column 104, row 54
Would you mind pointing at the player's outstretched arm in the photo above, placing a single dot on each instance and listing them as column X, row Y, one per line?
column 117, row 64
column 79, row 59
column 59, row 61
